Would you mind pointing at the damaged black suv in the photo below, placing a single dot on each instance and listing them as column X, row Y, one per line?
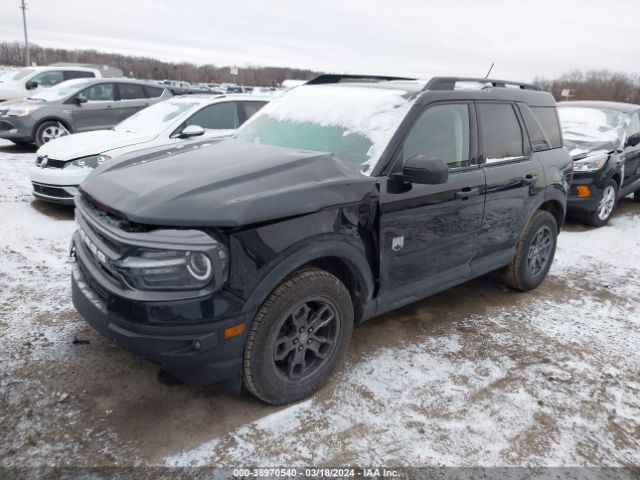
column 253, row 258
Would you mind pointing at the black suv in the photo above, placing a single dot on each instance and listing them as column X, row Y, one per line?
column 253, row 258
column 604, row 140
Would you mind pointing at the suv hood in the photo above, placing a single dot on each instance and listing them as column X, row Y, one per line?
column 85, row 144
column 228, row 184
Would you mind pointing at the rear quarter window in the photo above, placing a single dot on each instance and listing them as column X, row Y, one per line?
column 153, row 92
column 548, row 119
column 71, row 74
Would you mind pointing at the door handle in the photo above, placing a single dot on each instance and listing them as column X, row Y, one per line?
column 529, row 179
column 467, row 192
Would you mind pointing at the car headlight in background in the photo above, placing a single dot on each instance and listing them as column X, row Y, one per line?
column 103, row 158
column 21, row 111
column 91, row 161
column 590, row 164
column 159, row 269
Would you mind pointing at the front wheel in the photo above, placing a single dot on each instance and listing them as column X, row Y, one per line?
column 49, row 130
column 534, row 253
column 298, row 337
column 606, row 205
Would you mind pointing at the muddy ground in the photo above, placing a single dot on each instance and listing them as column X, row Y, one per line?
column 478, row 375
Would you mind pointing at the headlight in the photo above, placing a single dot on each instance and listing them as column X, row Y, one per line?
column 156, row 269
column 88, row 162
column 590, row 164
column 103, row 158
column 21, row 111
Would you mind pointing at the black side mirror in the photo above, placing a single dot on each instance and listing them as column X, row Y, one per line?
column 80, row 99
column 633, row 140
column 425, row 170
column 31, row 84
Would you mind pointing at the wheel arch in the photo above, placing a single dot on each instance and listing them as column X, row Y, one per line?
column 64, row 122
column 554, row 207
column 339, row 257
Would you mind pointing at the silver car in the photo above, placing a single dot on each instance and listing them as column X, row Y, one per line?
column 76, row 106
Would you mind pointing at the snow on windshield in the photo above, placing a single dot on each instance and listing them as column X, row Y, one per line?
column 61, row 90
column 583, row 126
column 354, row 123
column 157, row 117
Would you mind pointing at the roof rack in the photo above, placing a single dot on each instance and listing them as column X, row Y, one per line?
column 337, row 78
column 449, row 83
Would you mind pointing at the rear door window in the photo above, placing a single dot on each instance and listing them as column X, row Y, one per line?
column 501, row 134
column 248, row 109
column 102, row 92
column 131, row 91
column 153, row 92
column 219, row 116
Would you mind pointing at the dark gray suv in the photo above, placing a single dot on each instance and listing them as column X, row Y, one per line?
column 75, row 106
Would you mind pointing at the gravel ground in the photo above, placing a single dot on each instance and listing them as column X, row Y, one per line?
column 476, row 376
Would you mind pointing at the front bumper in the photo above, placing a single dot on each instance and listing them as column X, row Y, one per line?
column 582, row 206
column 19, row 129
column 183, row 332
column 196, row 354
column 57, row 185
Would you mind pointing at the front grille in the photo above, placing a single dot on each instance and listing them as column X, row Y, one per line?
column 110, row 216
column 5, row 126
column 99, row 250
column 51, row 191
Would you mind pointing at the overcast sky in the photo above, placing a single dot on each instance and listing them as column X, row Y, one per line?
column 404, row 37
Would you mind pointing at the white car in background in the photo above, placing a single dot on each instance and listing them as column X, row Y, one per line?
column 62, row 164
column 25, row 82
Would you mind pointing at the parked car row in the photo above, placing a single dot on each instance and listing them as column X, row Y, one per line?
column 75, row 106
column 604, row 141
column 62, row 165
column 17, row 84
column 248, row 256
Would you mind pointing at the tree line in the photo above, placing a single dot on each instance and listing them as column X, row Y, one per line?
column 594, row 85
column 13, row 54
column 591, row 85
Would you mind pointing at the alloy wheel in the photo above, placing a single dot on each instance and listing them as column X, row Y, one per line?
column 608, row 200
column 540, row 251
column 53, row 131
column 307, row 337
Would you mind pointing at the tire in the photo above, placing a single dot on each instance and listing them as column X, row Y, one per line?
column 541, row 234
column 283, row 359
column 49, row 130
column 606, row 204
column 636, row 196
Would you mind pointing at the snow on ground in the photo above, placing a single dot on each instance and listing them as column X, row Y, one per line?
column 475, row 376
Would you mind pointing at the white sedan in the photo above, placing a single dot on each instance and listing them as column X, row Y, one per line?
column 62, row 164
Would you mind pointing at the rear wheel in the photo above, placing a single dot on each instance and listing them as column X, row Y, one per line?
column 298, row 337
column 50, row 130
column 534, row 253
column 606, row 205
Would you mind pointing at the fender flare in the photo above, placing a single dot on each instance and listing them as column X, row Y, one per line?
column 344, row 248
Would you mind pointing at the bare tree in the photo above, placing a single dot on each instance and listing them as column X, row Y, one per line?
column 595, row 85
column 12, row 54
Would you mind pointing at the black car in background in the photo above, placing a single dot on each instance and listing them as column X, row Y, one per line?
column 252, row 259
column 603, row 139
